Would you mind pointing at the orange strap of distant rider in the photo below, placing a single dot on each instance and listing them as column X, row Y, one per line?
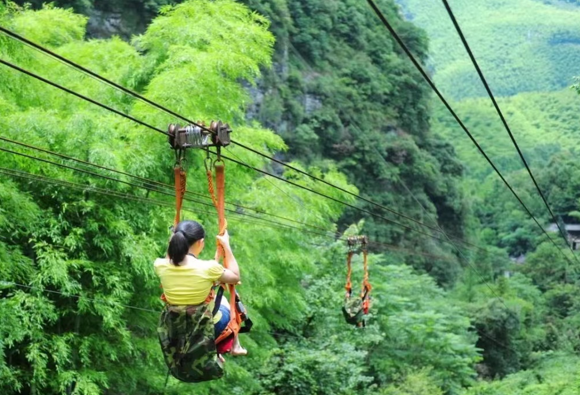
column 180, row 182
column 366, row 286
column 348, row 285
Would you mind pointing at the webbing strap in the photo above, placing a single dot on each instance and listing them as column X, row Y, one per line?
column 348, row 285
column 366, row 285
column 219, row 198
column 220, row 180
column 180, row 184
column 219, row 203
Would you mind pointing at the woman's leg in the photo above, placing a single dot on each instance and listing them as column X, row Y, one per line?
column 223, row 321
column 219, row 327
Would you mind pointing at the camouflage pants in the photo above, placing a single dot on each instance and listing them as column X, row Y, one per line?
column 353, row 310
column 186, row 335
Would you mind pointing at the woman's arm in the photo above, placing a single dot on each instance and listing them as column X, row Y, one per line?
column 231, row 275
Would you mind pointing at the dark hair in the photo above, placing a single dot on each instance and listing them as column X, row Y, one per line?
column 185, row 235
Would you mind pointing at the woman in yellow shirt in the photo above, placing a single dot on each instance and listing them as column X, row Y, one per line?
column 187, row 280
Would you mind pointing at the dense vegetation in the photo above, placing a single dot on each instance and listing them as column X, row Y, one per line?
column 521, row 45
column 75, row 265
column 544, row 123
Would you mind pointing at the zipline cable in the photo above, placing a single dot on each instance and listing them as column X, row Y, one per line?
column 152, row 183
column 208, row 204
column 134, row 185
column 88, row 188
column 230, row 159
column 71, row 92
column 456, row 117
column 4, row 283
column 486, row 282
column 168, row 111
column 353, row 123
column 333, row 199
column 272, row 224
column 469, row 262
column 504, row 121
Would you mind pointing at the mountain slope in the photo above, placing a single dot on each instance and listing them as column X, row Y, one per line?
column 521, row 45
column 543, row 123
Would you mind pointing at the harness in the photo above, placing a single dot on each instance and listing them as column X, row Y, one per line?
column 356, row 309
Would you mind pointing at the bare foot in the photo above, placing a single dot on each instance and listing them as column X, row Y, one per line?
column 238, row 351
column 221, row 359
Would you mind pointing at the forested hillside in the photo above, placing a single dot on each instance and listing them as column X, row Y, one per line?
column 522, row 45
column 321, row 85
column 544, row 124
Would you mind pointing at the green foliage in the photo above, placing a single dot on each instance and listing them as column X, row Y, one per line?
column 533, row 49
column 349, row 108
column 110, row 17
column 422, row 329
column 343, row 92
column 74, row 261
column 418, row 383
column 542, row 123
column 552, row 374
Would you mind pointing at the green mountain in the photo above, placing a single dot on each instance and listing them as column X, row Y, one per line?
column 521, row 45
column 542, row 123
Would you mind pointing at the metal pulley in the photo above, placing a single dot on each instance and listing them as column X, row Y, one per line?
column 354, row 241
column 198, row 136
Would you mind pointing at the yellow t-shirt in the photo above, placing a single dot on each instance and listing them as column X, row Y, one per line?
column 189, row 283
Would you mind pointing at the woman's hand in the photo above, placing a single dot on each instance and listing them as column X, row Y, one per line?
column 224, row 240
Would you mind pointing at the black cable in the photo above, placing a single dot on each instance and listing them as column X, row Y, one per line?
column 124, row 182
column 230, row 159
column 208, row 204
column 68, row 184
column 168, row 111
column 333, row 199
column 102, row 191
column 353, row 123
column 455, row 116
column 11, row 283
column 244, row 164
column 145, row 200
column 54, row 84
column 504, row 121
column 151, row 183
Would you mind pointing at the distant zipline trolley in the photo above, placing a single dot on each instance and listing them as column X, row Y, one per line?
column 189, row 358
column 355, row 309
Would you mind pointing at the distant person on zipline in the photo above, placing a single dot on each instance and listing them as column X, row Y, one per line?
column 188, row 281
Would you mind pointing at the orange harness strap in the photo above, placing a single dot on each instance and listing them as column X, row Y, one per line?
column 218, row 199
column 180, row 183
column 348, row 285
column 366, row 286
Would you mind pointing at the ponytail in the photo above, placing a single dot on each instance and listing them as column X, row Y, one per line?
column 187, row 233
column 178, row 248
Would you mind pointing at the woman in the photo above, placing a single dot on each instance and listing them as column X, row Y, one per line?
column 187, row 280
